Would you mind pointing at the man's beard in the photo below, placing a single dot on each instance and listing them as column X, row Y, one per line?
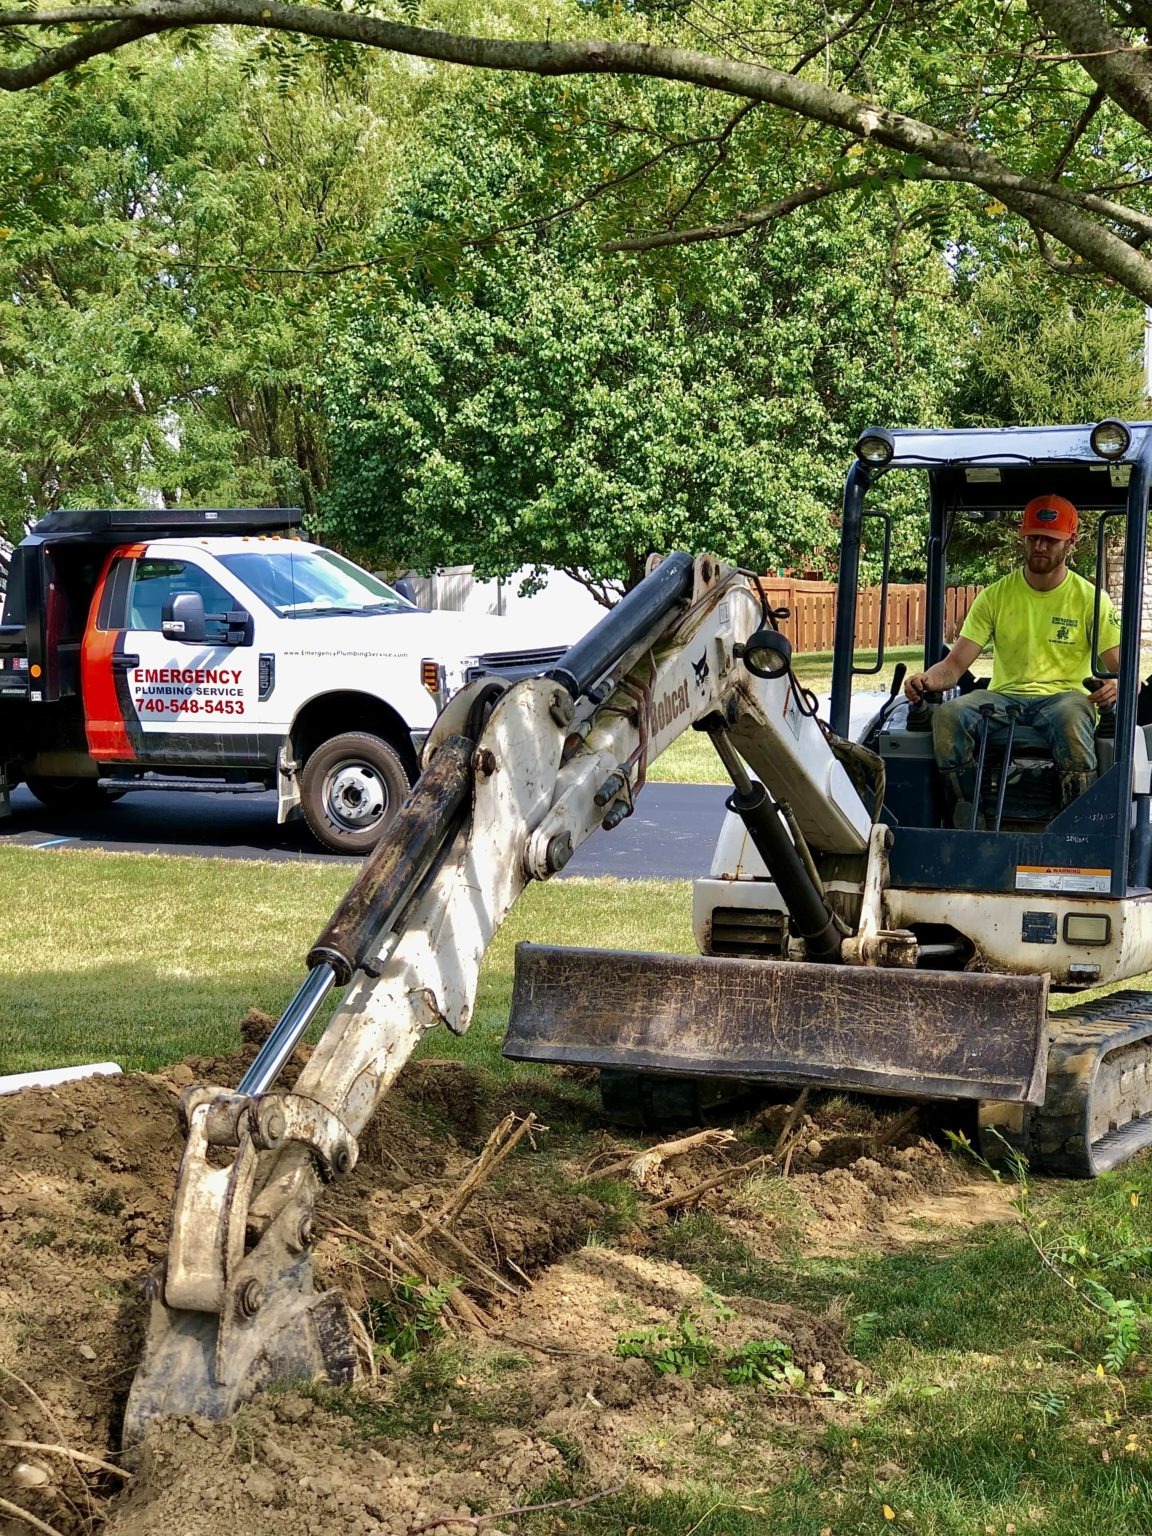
column 1039, row 563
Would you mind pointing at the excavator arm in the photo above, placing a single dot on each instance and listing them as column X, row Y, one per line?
column 516, row 778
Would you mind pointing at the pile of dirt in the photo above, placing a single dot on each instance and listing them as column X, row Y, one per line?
column 86, row 1177
column 285, row 1464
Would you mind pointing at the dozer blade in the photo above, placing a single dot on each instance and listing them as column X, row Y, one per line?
column 918, row 1034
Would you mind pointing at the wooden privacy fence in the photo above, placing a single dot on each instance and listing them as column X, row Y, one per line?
column 812, row 605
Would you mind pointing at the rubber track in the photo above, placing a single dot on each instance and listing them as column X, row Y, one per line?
column 1096, row 1050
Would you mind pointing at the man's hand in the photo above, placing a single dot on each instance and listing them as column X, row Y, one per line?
column 915, row 685
column 1105, row 694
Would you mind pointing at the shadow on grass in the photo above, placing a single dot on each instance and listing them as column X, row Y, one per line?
column 985, row 1293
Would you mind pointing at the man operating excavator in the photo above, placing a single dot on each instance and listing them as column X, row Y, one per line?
column 1039, row 622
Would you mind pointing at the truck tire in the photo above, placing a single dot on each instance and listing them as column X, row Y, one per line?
column 351, row 788
column 72, row 794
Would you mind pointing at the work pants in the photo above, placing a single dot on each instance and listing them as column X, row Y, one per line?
column 1067, row 722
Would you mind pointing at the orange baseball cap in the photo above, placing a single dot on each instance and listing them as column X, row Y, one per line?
column 1051, row 515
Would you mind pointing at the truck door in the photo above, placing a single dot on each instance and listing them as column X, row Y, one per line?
column 160, row 701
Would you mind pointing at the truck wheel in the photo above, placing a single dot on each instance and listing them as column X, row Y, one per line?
column 350, row 789
column 72, row 794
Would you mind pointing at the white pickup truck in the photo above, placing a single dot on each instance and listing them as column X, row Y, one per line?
column 170, row 649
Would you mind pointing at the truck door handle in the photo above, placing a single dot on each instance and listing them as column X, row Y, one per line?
column 124, row 663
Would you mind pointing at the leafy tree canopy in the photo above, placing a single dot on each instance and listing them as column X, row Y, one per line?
column 1039, row 350
column 533, row 401
column 163, row 302
column 1041, row 108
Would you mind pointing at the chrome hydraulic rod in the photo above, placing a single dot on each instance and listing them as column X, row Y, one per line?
column 403, row 858
column 289, row 1031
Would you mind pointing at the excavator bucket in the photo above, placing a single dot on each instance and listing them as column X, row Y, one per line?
column 918, row 1034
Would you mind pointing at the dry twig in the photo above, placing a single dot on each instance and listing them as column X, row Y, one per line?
column 17, row 1513
column 896, row 1127
column 642, row 1168
column 54, row 1422
column 498, row 1146
column 476, row 1521
column 725, row 1176
column 66, row 1450
column 404, row 1255
column 793, row 1116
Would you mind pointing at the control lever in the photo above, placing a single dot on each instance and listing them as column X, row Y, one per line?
column 987, row 711
column 876, row 725
column 1106, row 725
column 920, row 713
column 1014, row 712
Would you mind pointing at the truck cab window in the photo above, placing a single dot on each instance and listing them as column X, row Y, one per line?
column 303, row 584
column 154, row 582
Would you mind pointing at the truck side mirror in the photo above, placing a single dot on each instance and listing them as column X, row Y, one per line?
column 182, row 618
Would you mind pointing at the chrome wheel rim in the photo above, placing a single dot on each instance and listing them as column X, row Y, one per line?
column 355, row 796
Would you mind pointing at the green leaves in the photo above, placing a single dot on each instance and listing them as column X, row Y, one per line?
column 524, row 399
column 689, row 1349
column 162, row 297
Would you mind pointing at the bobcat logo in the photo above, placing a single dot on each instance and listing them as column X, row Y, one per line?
column 700, row 668
column 1064, row 628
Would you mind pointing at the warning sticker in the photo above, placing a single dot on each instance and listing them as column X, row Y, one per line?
column 1055, row 877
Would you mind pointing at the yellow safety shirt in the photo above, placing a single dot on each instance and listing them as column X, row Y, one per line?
column 1041, row 641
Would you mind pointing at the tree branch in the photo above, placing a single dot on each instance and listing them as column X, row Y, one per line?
column 1079, row 129
column 59, row 60
column 1127, row 80
column 1006, row 182
column 829, row 38
column 721, row 143
column 742, row 223
column 1102, row 53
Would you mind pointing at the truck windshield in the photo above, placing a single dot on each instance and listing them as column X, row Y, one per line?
column 312, row 583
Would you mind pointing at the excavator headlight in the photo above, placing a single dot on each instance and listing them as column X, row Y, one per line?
column 1110, row 439
column 767, row 653
column 875, row 447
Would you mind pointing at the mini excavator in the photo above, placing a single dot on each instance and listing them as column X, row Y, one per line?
column 851, row 937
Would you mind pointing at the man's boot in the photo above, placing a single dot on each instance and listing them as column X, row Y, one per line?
column 1072, row 786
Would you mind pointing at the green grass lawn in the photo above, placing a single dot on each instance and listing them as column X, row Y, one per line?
column 145, row 959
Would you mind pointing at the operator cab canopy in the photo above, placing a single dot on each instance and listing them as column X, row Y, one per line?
column 982, row 472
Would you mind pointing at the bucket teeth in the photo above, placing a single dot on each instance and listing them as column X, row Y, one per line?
column 301, row 1338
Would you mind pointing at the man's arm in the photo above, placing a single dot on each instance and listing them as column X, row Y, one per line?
column 944, row 674
column 1106, row 693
